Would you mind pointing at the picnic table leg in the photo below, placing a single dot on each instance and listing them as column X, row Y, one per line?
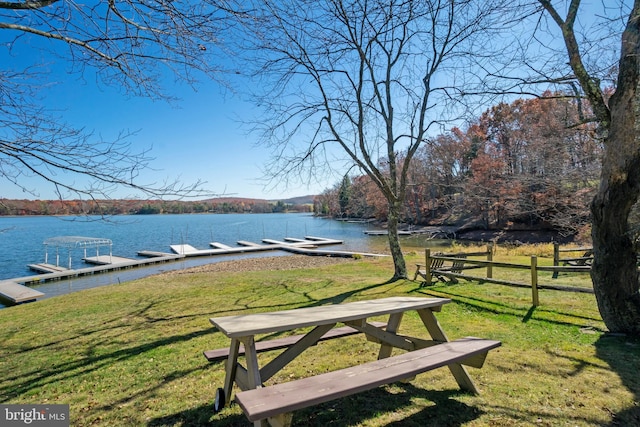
column 437, row 333
column 392, row 327
column 230, row 375
column 253, row 370
column 251, row 356
column 282, row 420
column 284, row 358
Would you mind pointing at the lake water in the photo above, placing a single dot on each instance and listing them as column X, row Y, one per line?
column 22, row 240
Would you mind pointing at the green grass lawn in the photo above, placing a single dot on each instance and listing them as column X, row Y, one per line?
column 131, row 354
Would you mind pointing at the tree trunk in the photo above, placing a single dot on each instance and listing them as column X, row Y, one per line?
column 615, row 274
column 400, row 267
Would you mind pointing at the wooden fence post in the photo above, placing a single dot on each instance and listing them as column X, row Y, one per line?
column 490, row 259
column 534, row 281
column 427, row 266
column 556, row 259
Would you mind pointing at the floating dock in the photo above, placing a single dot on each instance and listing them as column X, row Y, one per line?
column 100, row 266
column 47, row 268
column 310, row 248
column 431, row 232
column 106, row 260
column 17, row 293
column 245, row 247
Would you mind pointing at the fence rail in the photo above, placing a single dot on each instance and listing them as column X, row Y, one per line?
column 435, row 266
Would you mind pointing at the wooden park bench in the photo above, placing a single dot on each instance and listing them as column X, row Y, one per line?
column 585, row 259
column 582, row 261
column 442, row 272
column 277, row 402
column 456, row 267
column 434, row 264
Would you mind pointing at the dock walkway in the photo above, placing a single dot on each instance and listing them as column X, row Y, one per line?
column 46, row 268
column 101, row 266
column 106, row 260
column 14, row 290
column 308, row 242
column 17, row 293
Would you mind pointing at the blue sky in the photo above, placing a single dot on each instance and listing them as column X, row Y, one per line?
column 199, row 137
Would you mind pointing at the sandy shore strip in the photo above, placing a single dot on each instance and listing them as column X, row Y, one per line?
column 289, row 262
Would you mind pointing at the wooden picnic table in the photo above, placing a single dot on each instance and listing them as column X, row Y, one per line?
column 243, row 329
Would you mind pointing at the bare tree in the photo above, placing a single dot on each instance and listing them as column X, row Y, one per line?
column 132, row 45
column 360, row 83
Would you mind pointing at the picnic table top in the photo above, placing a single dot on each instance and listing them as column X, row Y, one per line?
column 260, row 323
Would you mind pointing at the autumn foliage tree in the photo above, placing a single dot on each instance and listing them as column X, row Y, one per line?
column 589, row 56
column 530, row 162
column 549, row 160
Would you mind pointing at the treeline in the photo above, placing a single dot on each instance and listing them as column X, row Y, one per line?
column 145, row 207
column 532, row 163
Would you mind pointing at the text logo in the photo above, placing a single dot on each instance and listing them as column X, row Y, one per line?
column 34, row 415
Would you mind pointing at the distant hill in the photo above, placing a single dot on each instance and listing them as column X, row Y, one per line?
column 150, row 207
column 301, row 200
column 233, row 200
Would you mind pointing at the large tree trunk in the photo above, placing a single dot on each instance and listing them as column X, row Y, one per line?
column 400, row 267
column 614, row 273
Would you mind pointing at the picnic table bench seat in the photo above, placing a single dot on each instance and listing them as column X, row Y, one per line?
column 286, row 342
column 276, row 402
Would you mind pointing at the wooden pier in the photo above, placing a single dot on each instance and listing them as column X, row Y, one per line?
column 107, row 260
column 219, row 245
column 385, row 232
column 101, row 266
column 46, row 268
column 308, row 242
column 17, row 293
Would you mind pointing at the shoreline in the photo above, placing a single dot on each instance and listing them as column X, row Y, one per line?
column 515, row 236
column 267, row 263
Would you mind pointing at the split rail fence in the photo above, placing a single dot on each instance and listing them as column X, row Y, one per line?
column 450, row 267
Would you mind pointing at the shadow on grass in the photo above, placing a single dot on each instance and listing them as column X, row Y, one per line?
column 529, row 314
column 32, row 380
column 422, row 407
column 106, row 326
column 344, row 296
column 308, row 301
column 623, row 356
column 498, row 307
